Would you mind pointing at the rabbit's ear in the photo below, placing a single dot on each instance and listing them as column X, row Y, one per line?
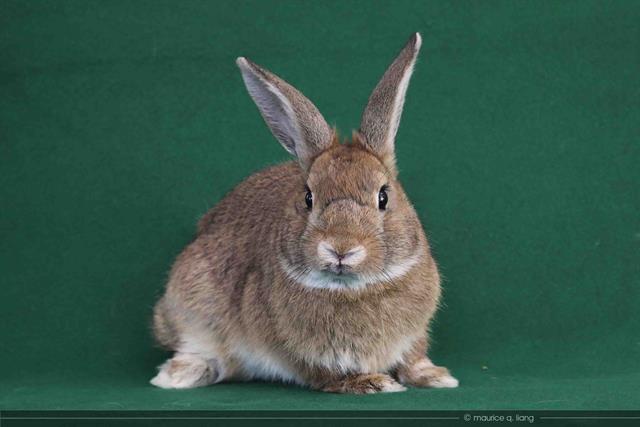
column 292, row 118
column 381, row 117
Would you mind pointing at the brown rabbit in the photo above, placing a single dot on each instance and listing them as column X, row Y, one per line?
column 315, row 272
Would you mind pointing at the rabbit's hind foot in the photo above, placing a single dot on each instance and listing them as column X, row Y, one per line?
column 186, row 370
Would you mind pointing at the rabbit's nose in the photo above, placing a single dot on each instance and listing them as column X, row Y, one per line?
column 339, row 257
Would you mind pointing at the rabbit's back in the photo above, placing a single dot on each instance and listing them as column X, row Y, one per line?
column 235, row 248
column 254, row 205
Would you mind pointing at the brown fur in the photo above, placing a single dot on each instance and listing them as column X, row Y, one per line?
column 235, row 293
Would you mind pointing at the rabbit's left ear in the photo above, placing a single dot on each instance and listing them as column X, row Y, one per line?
column 292, row 118
column 381, row 117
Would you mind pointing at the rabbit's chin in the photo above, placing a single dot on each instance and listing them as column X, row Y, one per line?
column 325, row 279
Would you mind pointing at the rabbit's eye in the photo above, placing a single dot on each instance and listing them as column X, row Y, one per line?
column 308, row 198
column 383, row 198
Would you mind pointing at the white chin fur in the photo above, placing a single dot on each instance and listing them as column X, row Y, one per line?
column 317, row 279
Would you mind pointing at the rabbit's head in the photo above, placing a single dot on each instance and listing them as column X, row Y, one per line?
column 350, row 222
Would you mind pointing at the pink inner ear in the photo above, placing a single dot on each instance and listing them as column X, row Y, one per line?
column 381, row 117
column 292, row 118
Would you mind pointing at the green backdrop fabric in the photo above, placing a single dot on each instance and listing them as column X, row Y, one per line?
column 122, row 122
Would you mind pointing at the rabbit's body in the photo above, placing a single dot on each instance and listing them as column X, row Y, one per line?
column 328, row 288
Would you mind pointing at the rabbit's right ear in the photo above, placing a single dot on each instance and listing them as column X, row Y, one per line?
column 381, row 117
column 292, row 118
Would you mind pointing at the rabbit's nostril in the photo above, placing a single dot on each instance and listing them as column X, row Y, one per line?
column 349, row 258
column 354, row 256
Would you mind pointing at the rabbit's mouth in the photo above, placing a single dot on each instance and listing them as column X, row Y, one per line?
column 329, row 276
column 339, row 276
column 338, row 271
column 324, row 277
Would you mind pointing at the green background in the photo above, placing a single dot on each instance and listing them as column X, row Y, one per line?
column 122, row 122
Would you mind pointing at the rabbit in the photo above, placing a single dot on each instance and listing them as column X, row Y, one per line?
column 315, row 272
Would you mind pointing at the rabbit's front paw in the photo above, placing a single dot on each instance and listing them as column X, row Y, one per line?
column 365, row 384
column 424, row 373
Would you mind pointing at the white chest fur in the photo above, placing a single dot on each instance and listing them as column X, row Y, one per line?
column 384, row 357
column 263, row 364
column 256, row 363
